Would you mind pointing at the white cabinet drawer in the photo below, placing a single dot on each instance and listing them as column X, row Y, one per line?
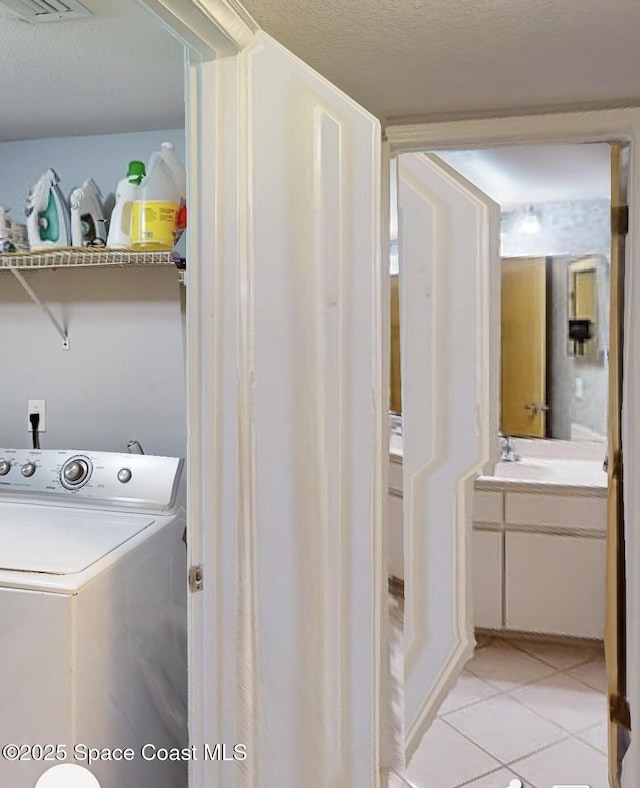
column 487, row 506
column 555, row 584
column 395, row 536
column 487, row 579
column 556, row 511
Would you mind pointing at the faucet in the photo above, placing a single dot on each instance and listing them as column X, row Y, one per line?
column 507, row 453
column 395, row 420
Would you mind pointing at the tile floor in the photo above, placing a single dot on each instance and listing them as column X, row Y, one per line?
column 521, row 710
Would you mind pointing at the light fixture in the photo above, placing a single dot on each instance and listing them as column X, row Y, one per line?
column 529, row 222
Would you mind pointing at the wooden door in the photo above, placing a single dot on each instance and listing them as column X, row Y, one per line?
column 523, row 385
column 615, row 628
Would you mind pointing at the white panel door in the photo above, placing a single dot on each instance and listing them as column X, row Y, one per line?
column 449, row 307
column 304, row 431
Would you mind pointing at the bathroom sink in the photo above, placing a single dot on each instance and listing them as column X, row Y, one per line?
column 583, row 473
column 525, row 469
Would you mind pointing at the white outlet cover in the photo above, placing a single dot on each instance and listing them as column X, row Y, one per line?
column 37, row 406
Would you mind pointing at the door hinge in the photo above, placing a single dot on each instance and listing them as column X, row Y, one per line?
column 619, row 711
column 616, row 470
column 196, row 578
column 620, row 220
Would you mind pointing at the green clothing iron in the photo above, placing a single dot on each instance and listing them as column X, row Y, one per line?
column 48, row 219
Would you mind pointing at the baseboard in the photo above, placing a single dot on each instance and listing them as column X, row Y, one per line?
column 509, row 634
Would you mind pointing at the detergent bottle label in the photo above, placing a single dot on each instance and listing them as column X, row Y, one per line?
column 153, row 224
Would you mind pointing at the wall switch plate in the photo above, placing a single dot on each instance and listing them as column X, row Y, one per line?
column 579, row 388
column 37, row 406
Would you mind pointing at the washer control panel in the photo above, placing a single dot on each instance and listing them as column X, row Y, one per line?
column 75, row 472
column 127, row 481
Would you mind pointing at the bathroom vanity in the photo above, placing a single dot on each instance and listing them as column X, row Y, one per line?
column 538, row 549
column 539, row 557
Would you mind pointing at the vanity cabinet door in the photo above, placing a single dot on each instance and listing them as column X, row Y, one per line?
column 555, row 584
column 487, row 579
column 395, row 536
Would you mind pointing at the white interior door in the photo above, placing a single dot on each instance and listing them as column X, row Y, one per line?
column 295, row 571
column 449, row 307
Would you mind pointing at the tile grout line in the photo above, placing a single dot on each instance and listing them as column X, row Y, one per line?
column 508, row 764
column 556, row 672
column 507, row 644
column 544, row 662
column 548, row 719
column 497, row 692
column 512, row 764
column 588, row 744
column 507, row 693
column 565, row 735
column 480, row 776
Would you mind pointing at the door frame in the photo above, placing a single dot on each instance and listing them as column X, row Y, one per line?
column 213, row 34
column 222, row 534
column 621, row 125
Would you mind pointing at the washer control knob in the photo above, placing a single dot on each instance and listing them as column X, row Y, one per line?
column 124, row 475
column 5, row 467
column 74, row 472
column 28, row 469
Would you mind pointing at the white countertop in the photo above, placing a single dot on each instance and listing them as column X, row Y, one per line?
column 548, row 475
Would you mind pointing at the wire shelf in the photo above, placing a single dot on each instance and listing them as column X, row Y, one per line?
column 79, row 258
column 17, row 262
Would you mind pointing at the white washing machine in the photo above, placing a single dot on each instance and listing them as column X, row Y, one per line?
column 93, row 620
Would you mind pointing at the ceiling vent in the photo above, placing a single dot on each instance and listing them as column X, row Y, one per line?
column 47, row 10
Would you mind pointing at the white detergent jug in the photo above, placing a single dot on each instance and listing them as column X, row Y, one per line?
column 168, row 155
column 155, row 210
column 119, row 236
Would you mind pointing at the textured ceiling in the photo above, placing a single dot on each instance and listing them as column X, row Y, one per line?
column 116, row 71
column 522, row 174
column 120, row 71
column 403, row 58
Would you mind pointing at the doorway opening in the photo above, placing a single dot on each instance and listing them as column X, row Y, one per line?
column 93, row 572
column 539, row 517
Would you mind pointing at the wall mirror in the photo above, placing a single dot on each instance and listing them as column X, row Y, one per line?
column 554, row 335
column 583, row 308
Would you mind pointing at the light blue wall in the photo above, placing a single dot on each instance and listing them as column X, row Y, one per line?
column 103, row 158
column 124, row 375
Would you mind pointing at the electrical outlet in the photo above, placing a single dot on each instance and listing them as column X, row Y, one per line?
column 37, row 406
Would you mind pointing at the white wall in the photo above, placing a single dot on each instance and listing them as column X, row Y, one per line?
column 103, row 158
column 575, row 227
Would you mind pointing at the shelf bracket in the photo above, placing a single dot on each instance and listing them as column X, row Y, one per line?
column 34, row 297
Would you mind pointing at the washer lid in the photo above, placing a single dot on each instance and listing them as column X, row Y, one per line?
column 61, row 541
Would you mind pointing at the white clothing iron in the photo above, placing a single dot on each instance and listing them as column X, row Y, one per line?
column 13, row 236
column 88, row 223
